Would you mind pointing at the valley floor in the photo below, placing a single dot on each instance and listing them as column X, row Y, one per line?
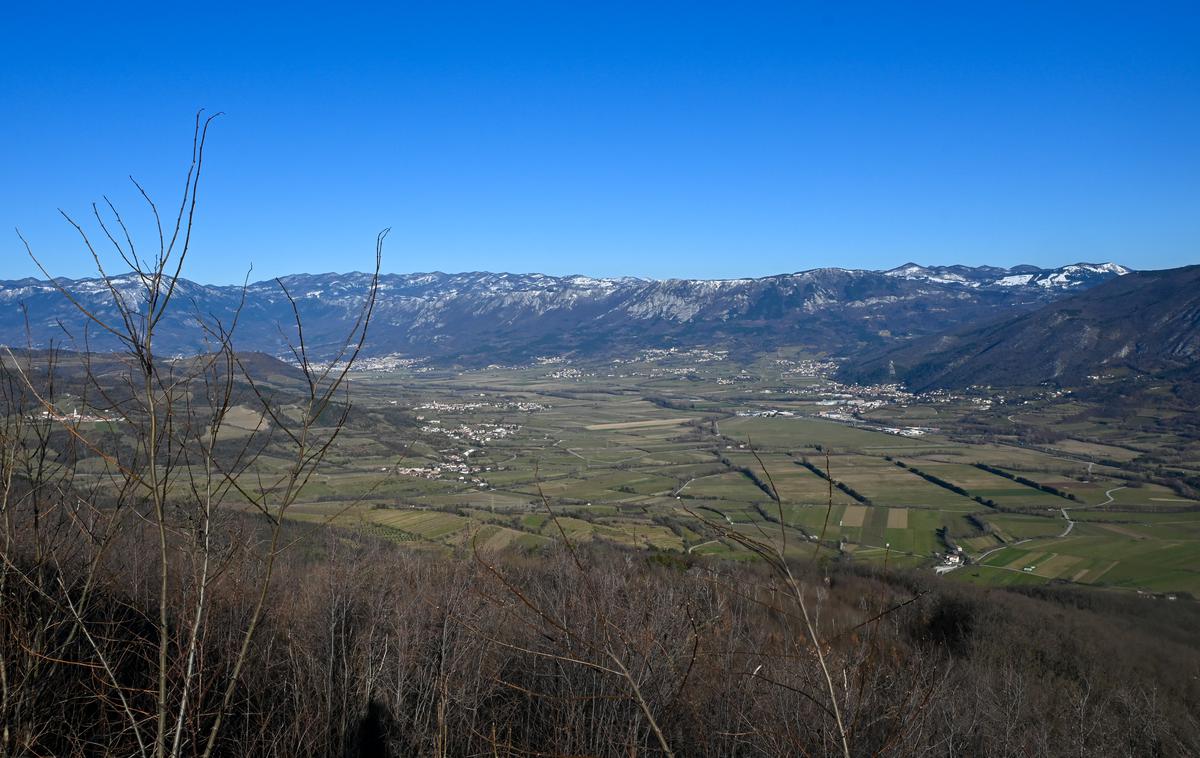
column 668, row 455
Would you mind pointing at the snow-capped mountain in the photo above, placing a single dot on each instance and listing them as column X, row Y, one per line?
column 1147, row 323
column 1074, row 276
column 484, row 317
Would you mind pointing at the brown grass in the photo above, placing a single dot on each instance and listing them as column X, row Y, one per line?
column 855, row 515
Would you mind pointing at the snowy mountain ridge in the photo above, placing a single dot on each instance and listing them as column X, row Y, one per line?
column 489, row 317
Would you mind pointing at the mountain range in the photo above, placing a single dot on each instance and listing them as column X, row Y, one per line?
column 481, row 318
column 1146, row 323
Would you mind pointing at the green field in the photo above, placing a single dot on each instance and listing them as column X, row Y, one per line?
column 653, row 460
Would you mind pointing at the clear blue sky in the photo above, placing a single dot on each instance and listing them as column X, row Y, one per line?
column 606, row 138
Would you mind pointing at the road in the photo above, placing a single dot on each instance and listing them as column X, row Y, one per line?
column 1109, row 494
column 998, row 549
column 1065, row 532
column 1070, row 524
column 577, row 455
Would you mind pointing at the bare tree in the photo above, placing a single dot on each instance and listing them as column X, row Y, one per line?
column 173, row 472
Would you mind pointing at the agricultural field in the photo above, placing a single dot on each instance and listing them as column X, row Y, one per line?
column 686, row 459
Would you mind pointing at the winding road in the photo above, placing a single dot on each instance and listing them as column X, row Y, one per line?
column 1070, row 523
column 1065, row 532
column 1109, row 495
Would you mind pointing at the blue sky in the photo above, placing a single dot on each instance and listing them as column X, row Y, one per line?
column 652, row 139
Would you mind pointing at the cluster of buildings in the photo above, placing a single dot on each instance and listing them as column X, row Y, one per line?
column 503, row 405
column 691, row 355
column 890, row 393
column 381, row 363
column 74, row 417
column 661, row 371
column 391, row 362
column 454, row 465
column 567, row 373
column 950, row 560
column 765, row 413
column 807, row 368
column 907, row 431
column 480, row 433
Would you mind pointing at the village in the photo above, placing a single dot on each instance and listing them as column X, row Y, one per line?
column 73, row 417
column 522, row 406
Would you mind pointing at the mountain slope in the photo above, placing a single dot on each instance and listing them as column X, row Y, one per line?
column 481, row 317
column 1146, row 322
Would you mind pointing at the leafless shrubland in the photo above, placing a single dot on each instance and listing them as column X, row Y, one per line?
column 152, row 496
